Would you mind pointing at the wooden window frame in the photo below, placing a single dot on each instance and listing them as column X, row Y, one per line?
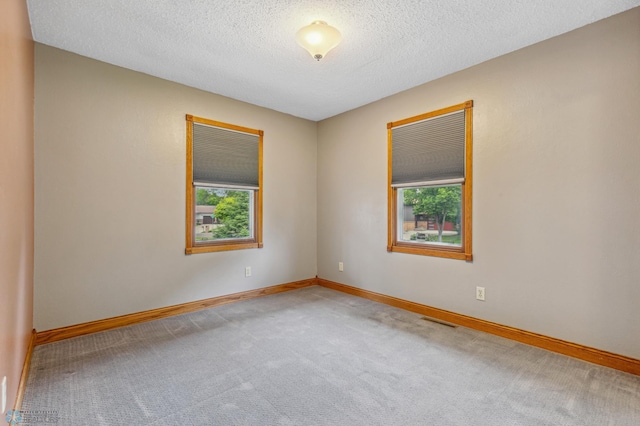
column 224, row 245
column 464, row 251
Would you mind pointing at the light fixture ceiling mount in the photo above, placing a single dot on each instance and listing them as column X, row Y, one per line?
column 318, row 38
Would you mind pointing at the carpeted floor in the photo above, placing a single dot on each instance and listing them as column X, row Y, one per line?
column 318, row 357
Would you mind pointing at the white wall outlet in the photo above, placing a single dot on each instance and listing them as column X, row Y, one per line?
column 4, row 394
column 480, row 293
column 340, row 266
column 247, row 271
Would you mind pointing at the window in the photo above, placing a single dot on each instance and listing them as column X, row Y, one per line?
column 224, row 186
column 429, row 211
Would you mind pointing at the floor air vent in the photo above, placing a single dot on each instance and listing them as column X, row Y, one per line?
column 439, row 322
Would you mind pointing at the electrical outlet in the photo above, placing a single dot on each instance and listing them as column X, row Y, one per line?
column 4, row 394
column 480, row 293
column 340, row 266
column 247, row 271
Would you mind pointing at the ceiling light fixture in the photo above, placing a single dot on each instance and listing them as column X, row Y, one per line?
column 318, row 38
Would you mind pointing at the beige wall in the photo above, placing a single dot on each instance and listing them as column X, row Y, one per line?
column 556, row 191
column 16, row 191
column 556, row 150
column 110, row 194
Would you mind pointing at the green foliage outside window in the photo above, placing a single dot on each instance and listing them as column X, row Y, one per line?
column 440, row 203
column 232, row 211
column 207, row 197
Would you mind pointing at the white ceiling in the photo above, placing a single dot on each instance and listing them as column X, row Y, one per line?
column 246, row 49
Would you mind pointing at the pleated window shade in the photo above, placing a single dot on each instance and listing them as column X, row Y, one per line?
column 427, row 151
column 225, row 157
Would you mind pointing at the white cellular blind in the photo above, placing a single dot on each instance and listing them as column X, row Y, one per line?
column 429, row 150
column 225, row 157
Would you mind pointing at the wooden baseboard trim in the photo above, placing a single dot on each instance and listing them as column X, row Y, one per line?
column 54, row 335
column 585, row 353
column 24, row 376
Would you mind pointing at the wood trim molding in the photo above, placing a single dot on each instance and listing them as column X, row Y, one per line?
column 215, row 246
column 464, row 252
column 258, row 219
column 54, row 335
column 223, row 125
column 467, row 187
column 190, row 199
column 441, row 111
column 585, row 353
column 391, row 193
column 235, row 245
column 25, row 372
column 446, row 253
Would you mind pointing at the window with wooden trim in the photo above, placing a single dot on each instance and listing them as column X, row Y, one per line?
column 429, row 184
column 224, row 186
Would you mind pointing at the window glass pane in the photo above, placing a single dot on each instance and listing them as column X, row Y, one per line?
column 223, row 214
column 430, row 215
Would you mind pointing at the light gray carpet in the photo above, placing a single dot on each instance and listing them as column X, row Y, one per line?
column 319, row 357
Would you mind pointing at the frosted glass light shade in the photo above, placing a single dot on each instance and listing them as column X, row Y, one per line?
column 318, row 38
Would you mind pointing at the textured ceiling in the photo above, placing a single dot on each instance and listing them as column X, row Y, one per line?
column 246, row 49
